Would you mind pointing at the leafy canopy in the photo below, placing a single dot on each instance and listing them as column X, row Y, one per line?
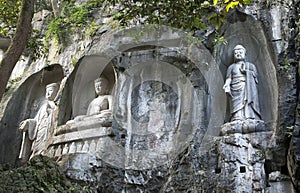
column 9, row 12
column 186, row 14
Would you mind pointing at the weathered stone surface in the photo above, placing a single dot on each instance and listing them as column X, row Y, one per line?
column 243, row 126
column 85, row 134
column 245, row 30
column 293, row 157
column 241, row 86
column 279, row 187
column 240, row 165
column 280, row 183
column 37, row 131
column 108, row 162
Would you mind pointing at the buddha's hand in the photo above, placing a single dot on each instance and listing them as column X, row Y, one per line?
column 24, row 125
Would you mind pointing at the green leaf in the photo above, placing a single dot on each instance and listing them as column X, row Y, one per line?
column 247, row 2
column 212, row 18
column 231, row 5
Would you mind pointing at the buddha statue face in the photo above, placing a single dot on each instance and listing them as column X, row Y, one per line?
column 51, row 91
column 101, row 85
column 239, row 53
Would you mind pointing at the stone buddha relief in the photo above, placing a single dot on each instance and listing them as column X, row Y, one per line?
column 103, row 102
column 37, row 130
column 99, row 107
column 241, row 85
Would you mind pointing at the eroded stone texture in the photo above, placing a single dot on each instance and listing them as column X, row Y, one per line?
column 279, row 183
column 194, row 168
column 164, row 108
column 293, row 157
column 240, row 165
column 77, row 143
column 243, row 126
column 161, row 100
column 241, row 86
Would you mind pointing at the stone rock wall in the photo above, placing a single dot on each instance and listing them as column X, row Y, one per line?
column 142, row 69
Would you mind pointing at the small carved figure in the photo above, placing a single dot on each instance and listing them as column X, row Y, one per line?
column 37, row 130
column 241, row 85
column 103, row 102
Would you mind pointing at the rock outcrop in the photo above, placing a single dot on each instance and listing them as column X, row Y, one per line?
column 168, row 129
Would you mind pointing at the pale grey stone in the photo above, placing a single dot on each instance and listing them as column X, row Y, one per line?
column 277, row 176
column 193, row 169
column 243, row 126
column 242, row 29
column 280, row 186
column 240, row 165
column 82, row 134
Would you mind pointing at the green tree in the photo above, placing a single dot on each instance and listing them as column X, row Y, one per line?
column 18, row 42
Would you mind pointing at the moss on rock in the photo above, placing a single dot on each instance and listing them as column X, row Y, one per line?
column 40, row 174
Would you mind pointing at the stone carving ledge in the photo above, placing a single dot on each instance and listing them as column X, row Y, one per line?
column 86, row 122
column 243, row 126
column 81, row 135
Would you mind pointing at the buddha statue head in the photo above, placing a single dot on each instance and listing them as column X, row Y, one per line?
column 101, row 86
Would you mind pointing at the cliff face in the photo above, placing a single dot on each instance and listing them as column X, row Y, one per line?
column 168, row 109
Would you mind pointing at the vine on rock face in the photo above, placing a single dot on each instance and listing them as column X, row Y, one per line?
column 72, row 17
column 190, row 15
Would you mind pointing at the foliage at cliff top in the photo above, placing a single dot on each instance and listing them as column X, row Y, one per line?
column 186, row 14
column 190, row 15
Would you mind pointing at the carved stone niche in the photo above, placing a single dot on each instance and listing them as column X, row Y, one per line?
column 162, row 100
column 24, row 103
column 80, row 90
column 79, row 133
column 242, row 29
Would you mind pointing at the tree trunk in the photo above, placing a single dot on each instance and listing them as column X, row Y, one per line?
column 18, row 44
column 55, row 8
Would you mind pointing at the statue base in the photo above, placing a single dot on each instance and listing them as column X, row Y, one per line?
column 243, row 126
